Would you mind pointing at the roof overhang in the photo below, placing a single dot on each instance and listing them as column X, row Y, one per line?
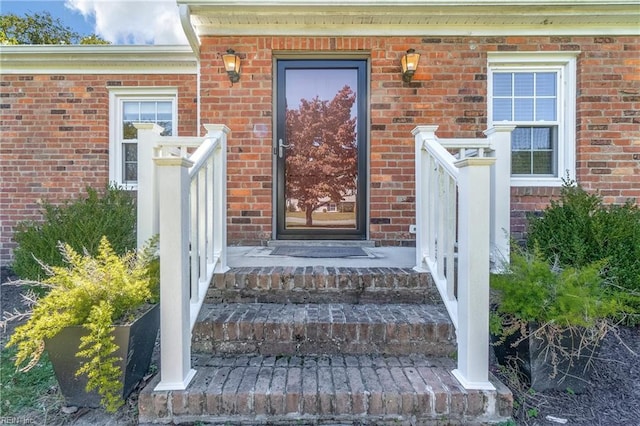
column 97, row 59
column 412, row 17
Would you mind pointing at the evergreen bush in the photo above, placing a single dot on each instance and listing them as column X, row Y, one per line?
column 79, row 223
column 579, row 229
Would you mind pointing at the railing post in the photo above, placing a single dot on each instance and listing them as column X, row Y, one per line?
column 219, row 208
column 175, row 328
column 473, row 272
column 422, row 134
column 147, row 205
column 500, row 139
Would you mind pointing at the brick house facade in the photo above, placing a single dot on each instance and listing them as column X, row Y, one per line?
column 58, row 122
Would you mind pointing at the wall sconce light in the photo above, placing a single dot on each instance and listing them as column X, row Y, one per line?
column 409, row 65
column 232, row 65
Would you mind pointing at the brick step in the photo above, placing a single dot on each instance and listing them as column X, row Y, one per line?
column 320, row 284
column 274, row 329
column 312, row 390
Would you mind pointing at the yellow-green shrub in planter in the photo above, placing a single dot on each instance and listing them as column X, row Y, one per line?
column 549, row 321
column 98, row 294
column 134, row 347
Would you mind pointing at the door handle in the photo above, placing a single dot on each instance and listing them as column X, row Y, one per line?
column 281, row 147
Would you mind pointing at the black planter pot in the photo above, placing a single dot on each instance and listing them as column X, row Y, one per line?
column 532, row 357
column 135, row 342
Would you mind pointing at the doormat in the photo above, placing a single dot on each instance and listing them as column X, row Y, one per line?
column 318, row 251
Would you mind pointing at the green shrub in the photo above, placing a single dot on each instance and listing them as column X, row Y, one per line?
column 80, row 224
column 532, row 290
column 579, row 229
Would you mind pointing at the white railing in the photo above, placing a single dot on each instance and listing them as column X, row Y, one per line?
column 182, row 197
column 462, row 222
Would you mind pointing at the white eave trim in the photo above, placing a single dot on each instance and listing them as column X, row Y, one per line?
column 97, row 59
column 413, row 17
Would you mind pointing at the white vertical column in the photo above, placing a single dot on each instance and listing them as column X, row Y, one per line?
column 473, row 273
column 219, row 207
column 147, row 205
column 175, row 329
column 500, row 139
column 421, row 135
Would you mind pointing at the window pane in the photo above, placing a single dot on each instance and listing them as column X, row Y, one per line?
column 129, row 131
column 546, row 109
column 130, row 172
column 523, row 84
column 546, row 84
column 543, row 162
column 521, row 138
column 542, row 138
column 167, row 126
column 523, row 110
column 164, row 109
column 521, row 163
column 502, row 110
column 502, row 84
column 131, row 111
column 148, row 111
column 130, row 152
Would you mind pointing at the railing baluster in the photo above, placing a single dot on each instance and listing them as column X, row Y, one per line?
column 451, row 237
column 209, row 205
column 440, row 238
column 202, row 228
column 193, row 238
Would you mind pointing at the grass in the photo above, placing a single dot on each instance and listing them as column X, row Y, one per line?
column 21, row 392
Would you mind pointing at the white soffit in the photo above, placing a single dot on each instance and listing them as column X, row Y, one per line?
column 413, row 17
column 97, row 59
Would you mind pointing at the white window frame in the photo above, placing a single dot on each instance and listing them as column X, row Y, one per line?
column 564, row 64
column 117, row 97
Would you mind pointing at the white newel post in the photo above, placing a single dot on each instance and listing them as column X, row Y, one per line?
column 500, row 139
column 421, row 135
column 147, row 217
column 175, row 329
column 473, row 272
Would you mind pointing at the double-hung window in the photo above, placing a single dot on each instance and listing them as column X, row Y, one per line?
column 535, row 92
column 130, row 106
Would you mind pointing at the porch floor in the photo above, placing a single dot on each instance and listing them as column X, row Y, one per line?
column 378, row 257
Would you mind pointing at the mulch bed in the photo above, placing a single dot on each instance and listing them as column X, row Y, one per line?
column 612, row 399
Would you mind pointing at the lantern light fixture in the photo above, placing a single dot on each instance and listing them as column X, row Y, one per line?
column 232, row 65
column 409, row 64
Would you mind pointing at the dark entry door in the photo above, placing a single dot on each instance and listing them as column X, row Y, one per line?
column 321, row 149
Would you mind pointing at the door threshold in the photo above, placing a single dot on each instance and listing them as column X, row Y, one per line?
column 321, row 243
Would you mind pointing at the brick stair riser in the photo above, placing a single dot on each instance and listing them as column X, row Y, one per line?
column 316, row 329
column 323, row 285
column 329, row 341
column 277, row 390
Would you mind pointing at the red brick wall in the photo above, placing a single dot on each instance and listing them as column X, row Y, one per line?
column 55, row 138
column 450, row 90
column 55, row 127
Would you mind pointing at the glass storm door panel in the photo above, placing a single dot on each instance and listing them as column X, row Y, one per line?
column 321, row 149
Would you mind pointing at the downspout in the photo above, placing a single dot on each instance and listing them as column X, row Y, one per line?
column 194, row 42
